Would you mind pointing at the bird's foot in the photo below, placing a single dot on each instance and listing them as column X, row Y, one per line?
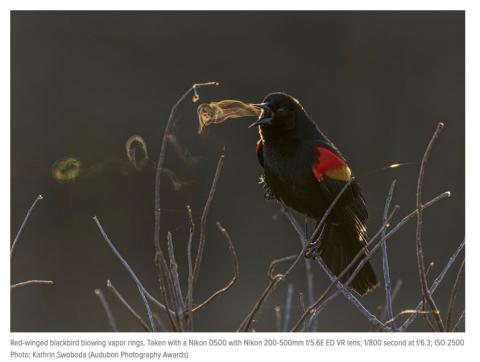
column 268, row 193
column 312, row 250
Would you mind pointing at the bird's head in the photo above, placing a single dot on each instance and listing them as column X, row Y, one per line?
column 279, row 112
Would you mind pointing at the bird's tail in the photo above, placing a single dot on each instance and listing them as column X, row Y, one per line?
column 338, row 245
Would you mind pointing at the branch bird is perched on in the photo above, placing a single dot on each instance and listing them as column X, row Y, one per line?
column 305, row 170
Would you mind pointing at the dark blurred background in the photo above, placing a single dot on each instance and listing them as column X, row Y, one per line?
column 83, row 82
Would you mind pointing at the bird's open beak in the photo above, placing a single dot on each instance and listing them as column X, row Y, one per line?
column 265, row 117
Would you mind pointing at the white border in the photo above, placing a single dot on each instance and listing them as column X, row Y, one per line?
column 472, row 153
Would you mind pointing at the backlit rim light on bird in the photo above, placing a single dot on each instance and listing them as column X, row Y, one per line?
column 218, row 112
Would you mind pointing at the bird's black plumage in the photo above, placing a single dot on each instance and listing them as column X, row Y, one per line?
column 306, row 171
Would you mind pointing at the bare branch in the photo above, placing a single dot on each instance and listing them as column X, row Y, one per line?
column 335, row 280
column 165, row 281
column 189, row 297
column 141, row 288
column 31, row 282
column 302, row 304
column 24, row 222
column 177, row 290
column 233, row 253
column 406, row 312
column 429, row 268
column 273, row 281
column 161, row 156
column 460, row 319
column 395, row 291
column 106, row 307
column 401, row 223
column 122, row 300
column 453, row 296
column 386, row 267
column 246, row 323
column 434, row 286
column 420, row 260
column 203, row 222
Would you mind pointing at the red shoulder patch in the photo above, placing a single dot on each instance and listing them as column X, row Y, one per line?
column 260, row 151
column 325, row 161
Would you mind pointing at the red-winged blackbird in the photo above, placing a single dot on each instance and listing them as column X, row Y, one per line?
column 305, row 170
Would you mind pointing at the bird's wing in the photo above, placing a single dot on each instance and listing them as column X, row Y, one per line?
column 332, row 172
column 260, row 151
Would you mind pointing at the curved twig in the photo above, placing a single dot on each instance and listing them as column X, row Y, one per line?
column 189, row 297
column 419, row 245
column 141, row 288
column 164, row 276
column 203, row 222
column 460, row 319
column 335, row 280
column 385, row 264
column 405, row 312
column 31, row 282
column 453, row 296
column 273, row 281
column 161, row 156
column 435, row 284
column 132, row 311
column 401, row 223
column 233, row 253
column 24, row 222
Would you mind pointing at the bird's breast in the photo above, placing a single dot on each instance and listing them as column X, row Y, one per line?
column 288, row 170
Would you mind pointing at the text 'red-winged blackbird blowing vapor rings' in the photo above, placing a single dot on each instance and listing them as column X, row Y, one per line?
column 306, row 171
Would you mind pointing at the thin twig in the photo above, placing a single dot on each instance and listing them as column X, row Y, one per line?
column 302, row 304
column 165, row 282
column 434, row 286
column 335, row 280
column 106, row 307
column 395, row 291
column 343, row 288
column 419, row 245
column 460, row 319
column 401, row 223
column 166, row 289
column 406, row 312
column 426, row 314
column 24, row 222
column 31, row 282
column 386, row 267
column 233, row 253
column 309, row 276
column 141, row 288
column 203, row 222
column 273, row 281
column 132, row 311
column 453, row 295
column 310, row 288
column 161, row 156
column 245, row 326
column 189, row 297
column 429, row 268
column 177, row 289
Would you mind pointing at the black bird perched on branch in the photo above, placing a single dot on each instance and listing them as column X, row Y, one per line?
column 305, row 170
